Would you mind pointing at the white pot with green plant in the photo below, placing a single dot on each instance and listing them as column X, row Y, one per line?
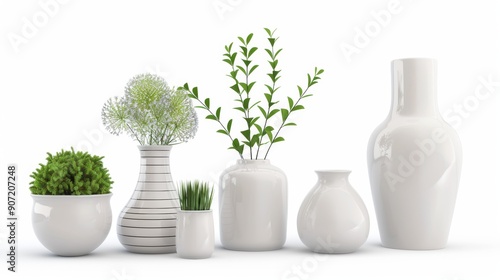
column 157, row 117
column 253, row 193
column 195, row 222
column 71, row 214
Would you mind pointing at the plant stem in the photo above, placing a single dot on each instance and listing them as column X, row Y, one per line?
column 284, row 121
column 217, row 119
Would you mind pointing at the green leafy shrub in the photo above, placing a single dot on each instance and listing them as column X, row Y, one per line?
column 195, row 195
column 258, row 131
column 71, row 173
column 151, row 112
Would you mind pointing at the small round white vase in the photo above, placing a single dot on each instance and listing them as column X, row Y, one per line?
column 333, row 218
column 195, row 234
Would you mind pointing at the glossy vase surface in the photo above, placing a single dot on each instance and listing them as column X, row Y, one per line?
column 147, row 224
column 414, row 162
column 195, row 234
column 253, row 202
column 71, row 225
column 333, row 218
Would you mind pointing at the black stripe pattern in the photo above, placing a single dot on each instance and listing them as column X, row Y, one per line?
column 147, row 224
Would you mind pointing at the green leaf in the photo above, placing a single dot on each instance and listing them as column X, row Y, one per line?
column 269, row 134
column 255, row 140
column 254, row 120
column 222, row 131
column 240, row 109
column 271, row 41
column 274, row 63
column 246, row 62
column 272, row 113
column 277, row 52
column 270, row 53
column 278, row 139
column 241, row 40
column 186, row 86
column 236, row 88
column 252, row 50
column 290, row 124
column 207, row 102
column 249, row 38
column 298, row 107
column 284, row 114
column 250, row 86
column 290, row 103
column 233, row 74
column 268, row 31
column 229, row 124
column 195, row 91
column 259, row 128
column 246, row 134
column 211, row 117
column 242, row 69
column 300, row 90
column 217, row 113
column 252, row 69
column 236, row 145
column 269, row 97
column 246, row 103
column 244, row 51
column 228, row 48
column 263, row 111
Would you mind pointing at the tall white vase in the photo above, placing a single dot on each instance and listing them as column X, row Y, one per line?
column 253, row 206
column 333, row 217
column 147, row 224
column 414, row 162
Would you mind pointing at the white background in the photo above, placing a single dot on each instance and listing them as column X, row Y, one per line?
column 56, row 77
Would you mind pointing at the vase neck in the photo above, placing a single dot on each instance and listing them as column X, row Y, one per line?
column 333, row 177
column 414, row 87
column 155, row 151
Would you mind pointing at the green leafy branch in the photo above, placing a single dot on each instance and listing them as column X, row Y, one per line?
column 255, row 134
column 294, row 106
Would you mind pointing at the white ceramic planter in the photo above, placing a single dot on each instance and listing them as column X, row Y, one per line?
column 414, row 162
column 253, row 206
column 195, row 234
column 147, row 223
column 71, row 225
column 333, row 217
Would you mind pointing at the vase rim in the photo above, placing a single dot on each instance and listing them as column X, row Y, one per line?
column 415, row 59
column 253, row 160
column 194, row 211
column 71, row 196
column 154, row 147
column 336, row 171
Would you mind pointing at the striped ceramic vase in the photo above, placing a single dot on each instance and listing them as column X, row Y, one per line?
column 147, row 223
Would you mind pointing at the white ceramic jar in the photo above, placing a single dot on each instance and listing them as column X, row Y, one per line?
column 253, row 202
column 414, row 162
column 333, row 217
column 195, row 234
